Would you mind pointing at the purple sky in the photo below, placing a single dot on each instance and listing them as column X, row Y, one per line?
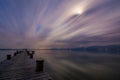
column 59, row 23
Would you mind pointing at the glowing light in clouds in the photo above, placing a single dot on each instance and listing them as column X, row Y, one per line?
column 59, row 23
column 77, row 10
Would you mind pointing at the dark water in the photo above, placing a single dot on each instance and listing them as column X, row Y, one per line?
column 73, row 65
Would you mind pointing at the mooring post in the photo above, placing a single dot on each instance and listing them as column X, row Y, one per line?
column 15, row 54
column 33, row 52
column 28, row 52
column 39, row 65
column 31, row 56
column 8, row 57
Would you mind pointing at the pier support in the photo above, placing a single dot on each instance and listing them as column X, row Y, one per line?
column 33, row 52
column 39, row 65
column 15, row 54
column 31, row 56
column 8, row 57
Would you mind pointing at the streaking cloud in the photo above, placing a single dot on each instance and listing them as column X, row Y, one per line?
column 59, row 23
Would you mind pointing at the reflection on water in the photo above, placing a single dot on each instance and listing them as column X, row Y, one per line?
column 72, row 65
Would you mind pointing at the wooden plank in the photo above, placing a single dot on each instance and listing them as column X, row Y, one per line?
column 21, row 67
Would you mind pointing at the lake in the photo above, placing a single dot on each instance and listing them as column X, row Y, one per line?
column 76, row 65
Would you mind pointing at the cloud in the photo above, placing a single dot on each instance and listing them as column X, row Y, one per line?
column 56, row 23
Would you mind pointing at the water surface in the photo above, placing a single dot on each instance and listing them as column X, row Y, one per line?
column 76, row 65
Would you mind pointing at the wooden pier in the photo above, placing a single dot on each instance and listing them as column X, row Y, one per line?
column 22, row 66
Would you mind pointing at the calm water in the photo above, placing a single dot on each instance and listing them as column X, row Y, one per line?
column 72, row 65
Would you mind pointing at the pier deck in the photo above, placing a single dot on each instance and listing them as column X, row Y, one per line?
column 21, row 67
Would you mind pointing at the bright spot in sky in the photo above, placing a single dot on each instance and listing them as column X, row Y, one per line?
column 77, row 10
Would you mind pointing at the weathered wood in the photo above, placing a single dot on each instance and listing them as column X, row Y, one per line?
column 21, row 67
column 8, row 57
column 39, row 65
column 31, row 56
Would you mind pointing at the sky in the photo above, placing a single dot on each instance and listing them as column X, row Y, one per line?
column 59, row 23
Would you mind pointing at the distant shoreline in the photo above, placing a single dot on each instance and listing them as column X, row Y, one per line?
column 109, row 49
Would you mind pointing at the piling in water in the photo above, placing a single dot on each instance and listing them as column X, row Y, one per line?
column 28, row 52
column 8, row 57
column 33, row 52
column 15, row 54
column 31, row 56
column 39, row 66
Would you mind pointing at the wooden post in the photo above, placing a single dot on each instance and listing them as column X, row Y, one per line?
column 33, row 52
column 15, row 54
column 39, row 65
column 31, row 56
column 8, row 57
column 28, row 52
